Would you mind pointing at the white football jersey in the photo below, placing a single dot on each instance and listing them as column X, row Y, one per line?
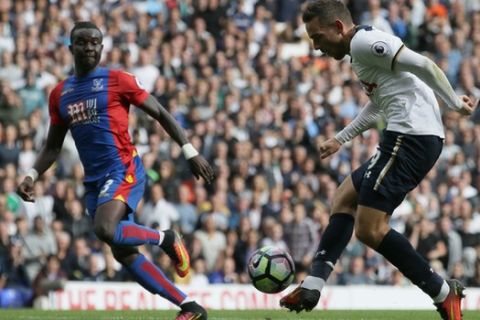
column 410, row 106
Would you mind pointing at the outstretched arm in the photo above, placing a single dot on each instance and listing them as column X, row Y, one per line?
column 368, row 116
column 154, row 109
column 424, row 68
column 47, row 156
column 198, row 164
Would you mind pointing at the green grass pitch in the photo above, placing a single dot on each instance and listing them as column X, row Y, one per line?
column 224, row 314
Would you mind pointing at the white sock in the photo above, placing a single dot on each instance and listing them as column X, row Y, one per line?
column 162, row 236
column 186, row 300
column 313, row 283
column 444, row 291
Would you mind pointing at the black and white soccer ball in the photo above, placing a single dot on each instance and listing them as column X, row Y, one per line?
column 271, row 269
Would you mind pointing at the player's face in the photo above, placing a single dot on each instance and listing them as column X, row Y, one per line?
column 327, row 38
column 86, row 48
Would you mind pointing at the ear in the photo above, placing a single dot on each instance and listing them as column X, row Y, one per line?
column 70, row 48
column 339, row 26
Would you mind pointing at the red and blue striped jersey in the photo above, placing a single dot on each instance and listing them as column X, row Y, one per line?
column 95, row 109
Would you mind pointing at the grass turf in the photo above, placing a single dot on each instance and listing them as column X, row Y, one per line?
column 22, row 314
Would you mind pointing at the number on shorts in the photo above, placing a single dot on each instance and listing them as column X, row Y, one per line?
column 105, row 187
column 374, row 160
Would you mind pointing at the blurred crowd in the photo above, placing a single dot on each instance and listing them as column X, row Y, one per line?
column 240, row 78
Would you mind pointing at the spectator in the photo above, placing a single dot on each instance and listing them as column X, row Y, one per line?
column 26, row 156
column 454, row 244
column 244, row 249
column 427, row 242
column 94, row 268
column 42, row 207
column 81, row 224
column 64, row 254
column 146, row 72
column 212, row 241
column 274, row 237
column 50, row 278
column 159, row 210
column 39, row 244
column 357, row 273
column 9, row 149
column 15, row 285
column 13, row 273
column 32, row 96
column 199, row 277
column 11, row 108
column 187, row 212
column 301, row 238
column 79, row 266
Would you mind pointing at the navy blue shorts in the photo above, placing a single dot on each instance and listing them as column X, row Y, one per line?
column 401, row 162
column 126, row 185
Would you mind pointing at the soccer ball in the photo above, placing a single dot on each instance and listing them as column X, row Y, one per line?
column 271, row 269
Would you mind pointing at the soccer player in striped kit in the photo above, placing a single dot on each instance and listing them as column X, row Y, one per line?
column 401, row 85
column 94, row 104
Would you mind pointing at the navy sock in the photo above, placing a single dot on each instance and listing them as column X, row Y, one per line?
column 334, row 240
column 399, row 251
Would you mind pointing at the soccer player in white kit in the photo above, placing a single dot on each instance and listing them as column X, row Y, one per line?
column 401, row 85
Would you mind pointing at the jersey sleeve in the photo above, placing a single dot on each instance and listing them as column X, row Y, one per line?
column 54, row 106
column 131, row 89
column 375, row 48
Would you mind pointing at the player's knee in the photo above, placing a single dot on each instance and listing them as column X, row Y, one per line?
column 343, row 209
column 104, row 232
column 124, row 255
column 368, row 235
column 341, row 205
column 345, row 199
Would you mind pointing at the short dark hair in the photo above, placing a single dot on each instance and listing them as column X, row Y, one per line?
column 327, row 11
column 83, row 25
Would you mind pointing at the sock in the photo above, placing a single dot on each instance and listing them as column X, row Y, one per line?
column 154, row 280
column 161, row 237
column 313, row 283
column 167, row 239
column 444, row 291
column 186, row 300
column 334, row 240
column 132, row 234
column 399, row 251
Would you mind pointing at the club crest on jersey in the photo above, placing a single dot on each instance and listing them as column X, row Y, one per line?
column 380, row 48
column 97, row 84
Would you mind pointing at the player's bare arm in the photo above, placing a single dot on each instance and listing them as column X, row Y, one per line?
column 424, row 68
column 47, row 156
column 199, row 166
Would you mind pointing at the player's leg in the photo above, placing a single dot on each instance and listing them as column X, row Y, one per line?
column 154, row 280
column 402, row 162
column 114, row 230
column 124, row 188
column 336, row 236
column 372, row 228
column 128, row 233
column 333, row 242
column 108, row 218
